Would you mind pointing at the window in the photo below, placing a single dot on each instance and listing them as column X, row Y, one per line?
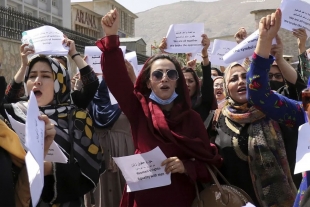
column 125, row 22
column 132, row 26
column 11, row 7
column 122, row 20
column 54, row 3
column 43, row 18
column 44, row 1
column 28, row 13
column 56, row 22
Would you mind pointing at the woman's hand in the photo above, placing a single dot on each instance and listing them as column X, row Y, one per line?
column 49, row 133
column 270, row 25
column 191, row 64
column 173, row 165
column 24, row 52
column 205, row 43
column 110, row 23
column 204, row 52
column 240, row 35
column 302, row 37
column 79, row 61
column 71, row 45
column 268, row 29
column 163, row 45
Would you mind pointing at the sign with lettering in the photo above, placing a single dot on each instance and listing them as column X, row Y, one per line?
column 295, row 15
column 244, row 49
column 220, row 48
column 144, row 171
column 93, row 54
column 86, row 18
column 185, row 38
column 45, row 40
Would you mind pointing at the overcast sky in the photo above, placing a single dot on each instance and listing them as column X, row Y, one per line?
column 136, row 6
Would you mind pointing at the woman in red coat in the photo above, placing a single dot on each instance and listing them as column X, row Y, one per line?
column 159, row 111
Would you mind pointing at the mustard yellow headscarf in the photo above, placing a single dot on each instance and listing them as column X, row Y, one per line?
column 10, row 142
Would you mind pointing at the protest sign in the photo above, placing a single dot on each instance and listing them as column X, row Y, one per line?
column 45, row 40
column 243, row 49
column 93, row 54
column 184, row 38
column 131, row 57
column 295, row 15
column 54, row 153
column 144, row 171
column 35, row 144
column 220, row 48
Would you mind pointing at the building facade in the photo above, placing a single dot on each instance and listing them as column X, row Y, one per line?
column 86, row 21
column 127, row 18
column 53, row 11
column 134, row 44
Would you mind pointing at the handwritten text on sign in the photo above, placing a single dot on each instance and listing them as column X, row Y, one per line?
column 295, row 15
column 184, row 38
column 144, row 171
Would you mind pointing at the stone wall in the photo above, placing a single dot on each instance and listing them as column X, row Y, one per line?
column 288, row 39
column 9, row 58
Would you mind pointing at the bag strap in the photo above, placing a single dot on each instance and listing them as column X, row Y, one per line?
column 224, row 196
column 220, row 174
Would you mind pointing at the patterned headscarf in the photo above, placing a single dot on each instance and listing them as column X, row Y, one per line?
column 79, row 142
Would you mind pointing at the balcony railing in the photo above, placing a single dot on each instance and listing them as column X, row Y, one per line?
column 13, row 23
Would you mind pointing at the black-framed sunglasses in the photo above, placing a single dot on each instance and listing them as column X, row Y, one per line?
column 158, row 75
column 277, row 76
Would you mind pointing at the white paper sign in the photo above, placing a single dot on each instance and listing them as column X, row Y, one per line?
column 303, row 149
column 131, row 57
column 45, row 40
column 295, row 15
column 220, row 48
column 93, row 59
column 244, row 49
column 144, row 171
column 54, row 154
column 36, row 183
column 185, row 38
column 93, row 54
column 19, row 129
column 35, row 144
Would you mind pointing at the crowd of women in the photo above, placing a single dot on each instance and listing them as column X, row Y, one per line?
column 244, row 121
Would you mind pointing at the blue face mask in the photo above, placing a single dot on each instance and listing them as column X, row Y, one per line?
column 163, row 102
